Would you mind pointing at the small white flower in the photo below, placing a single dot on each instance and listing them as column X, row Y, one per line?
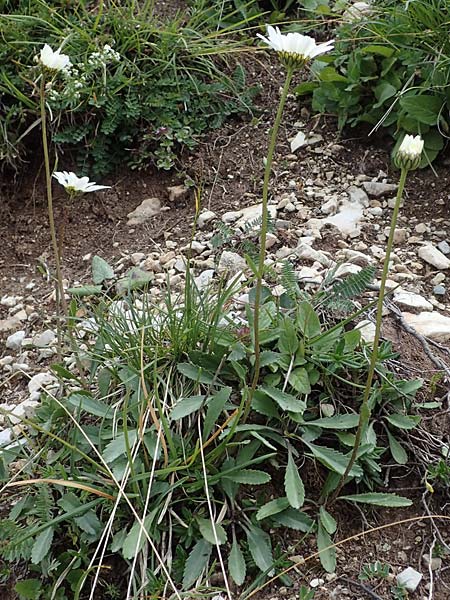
column 411, row 146
column 53, row 59
column 295, row 48
column 73, row 183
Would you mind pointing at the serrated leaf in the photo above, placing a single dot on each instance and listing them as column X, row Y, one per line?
column 336, row 422
column 327, row 555
column 284, row 400
column 186, row 406
column 215, row 407
column 293, row 484
column 101, row 270
column 403, row 421
column 379, row 499
column 299, row 380
column 195, row 373
column 236, row 563
column 42, row 545
column 29, row 589
column 260, row 548
column 272, row 508
column 327, row 520
column 196, row 562
column 294, row 519
column 207, row 531
column 249, row 476
column 398, row 452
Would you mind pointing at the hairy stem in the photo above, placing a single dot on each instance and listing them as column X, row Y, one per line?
column 364, row 413
column 263, row 238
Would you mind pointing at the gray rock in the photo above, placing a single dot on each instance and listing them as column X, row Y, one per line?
column 358, row 195
column 271, row 240
column 197, row 247
column 444, row 247
column 5, row 436
column 430, row 324
column 40, row 380
column 307, row 253
column 9, row 324
column 231, row 216
column 421, row 228
column 434, row 564
column 231, row 263
column 434, row 257
column 410, row 300
column 10, row 301
column 137, row 258
column 377, row 189
column 147, row 209
column 410, row 578
column 177, row 192
column 330, row 207
column 251, row 213
column 44, row 339
column 204, row 279
column 6, row 360
column 14, row 341
column 438, row 278
column 367, row 329
column 205, row 217
column 439, row 290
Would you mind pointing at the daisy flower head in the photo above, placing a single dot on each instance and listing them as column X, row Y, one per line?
column 53, row 59
column 409, row 153
column 295, row 49
column 77, row 185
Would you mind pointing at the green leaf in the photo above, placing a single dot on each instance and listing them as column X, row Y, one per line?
column 327, row 520
column 294, row 519
column 398, row 452
column 284, row 400
column 186, row 406
column 215, row 407
column 293, row 484
column 42, row 545
column 130, row 545
column 386, row 51
column 403, row 421
column 379, row 499
column 249, row 476
column 264, row 405
column 307, row 320
column 306, row 88
column 299, row 380
column 336, row 422
column 424, row 107
column 85, row 402
column 327, row 555
column 260, row 548
column 272, row 508
column 383, row 92
column 196, row 562
column 101, row 270
column 236, row 563
column 28, row 589
column 288, row 342
column 334, row 460
column 330, row 74
column 207, row 531
column 195, row 373
column 118, row 446
column 135, row 278
column 85, row 290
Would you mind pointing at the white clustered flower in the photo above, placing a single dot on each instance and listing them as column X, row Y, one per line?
column 295, row 47
column 53, row 59
column 411, row 146
column 73, row 183
column 103, row 57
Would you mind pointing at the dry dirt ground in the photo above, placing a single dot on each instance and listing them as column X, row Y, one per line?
column 228, row 165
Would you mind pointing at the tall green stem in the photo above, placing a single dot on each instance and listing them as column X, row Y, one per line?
column 60, row 299
column 263, row 239
column 364, row 413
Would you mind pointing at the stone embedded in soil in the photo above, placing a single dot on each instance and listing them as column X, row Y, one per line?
column 14, row 341
column 377, row 189
column 439, row 290
column 37, row 382
column 9, row 324
column 203, row 280
column 444, row 247
column 253, row 213
column 147, row 208
column 410, row 578
column 205, row 217
column 367, row 329
column 411, row 300
column 434, row 564
column 305, row 252
column 231, row 263
column 434, row 257
column 177, row 192
column 430, row 324
column 44, row 339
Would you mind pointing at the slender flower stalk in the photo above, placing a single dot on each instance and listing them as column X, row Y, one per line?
column 406, row 159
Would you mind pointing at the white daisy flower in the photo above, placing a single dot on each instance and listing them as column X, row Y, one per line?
column 53, row 59
column 73, row 183
column 409, row 154
column 295, row 48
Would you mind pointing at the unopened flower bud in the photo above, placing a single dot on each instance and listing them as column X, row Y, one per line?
column 409, row 154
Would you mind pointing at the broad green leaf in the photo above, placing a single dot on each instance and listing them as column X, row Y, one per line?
column 294, row 519
column 386, row 51
column 85, row 290
column 236, row 563
column 383, row 92
column 264, row 405
column 196, row 562
column 42, row 545
column 284, row 400
column 118, row 446
column 307, row 320
column 334, row 460
column 327, row 520
column 85, row 402
column 268, row 357
column 288, row 341
column 272, row 507
column 336, row 422
column 249, row 477
column 403, row 421
column 299, row 380
column 207, row 531
column 379, row 499
column 260, row 548
column 101, row 270
column 88, row 522
column 215, row 407
column 196, row 373
column 135, row 278
column 130, row 545
column 398, row 452
column 327, row 555
column 330, row 74
column 306, row 88
column 293, row 484
column 29, row 589
column 186, row 406
column 423, row 107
